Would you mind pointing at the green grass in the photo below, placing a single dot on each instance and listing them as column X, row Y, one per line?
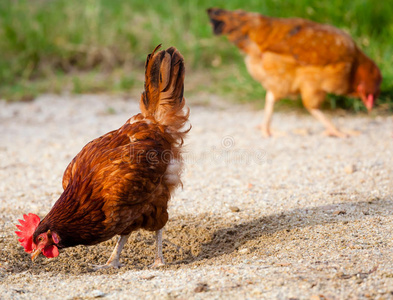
column 101, row 45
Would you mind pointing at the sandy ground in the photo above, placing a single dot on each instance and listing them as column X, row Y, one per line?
column 299, row 216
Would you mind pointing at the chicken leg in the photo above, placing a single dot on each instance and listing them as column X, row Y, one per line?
column 331, row 130
column 159, row 259
column 269, row 105
column 113, row 261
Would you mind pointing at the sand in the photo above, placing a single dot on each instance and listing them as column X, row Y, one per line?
column 296, row 216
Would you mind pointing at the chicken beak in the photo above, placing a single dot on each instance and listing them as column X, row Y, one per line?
column 35, row 254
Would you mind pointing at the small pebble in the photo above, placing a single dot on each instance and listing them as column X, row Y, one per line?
column 201, row 287
column 339, row 212
column 147, row 277
column 349, row 169
column 97, row 294
column 234, row 208
column 283, row 264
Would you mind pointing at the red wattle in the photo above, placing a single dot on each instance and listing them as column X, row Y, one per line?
column 50, row 251
column 370, row 102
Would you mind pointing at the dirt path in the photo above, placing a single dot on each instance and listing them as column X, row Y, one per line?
column 293, row 217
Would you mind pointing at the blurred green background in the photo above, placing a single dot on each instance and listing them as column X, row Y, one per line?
column 94, row 46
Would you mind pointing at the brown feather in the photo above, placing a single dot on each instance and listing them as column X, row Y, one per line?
column 119, row 182
column 296, row 56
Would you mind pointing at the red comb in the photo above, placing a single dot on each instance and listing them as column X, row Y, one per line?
column 27, row 228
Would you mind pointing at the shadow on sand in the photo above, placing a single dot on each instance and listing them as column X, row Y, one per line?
column 230, row 238
column 192, row 239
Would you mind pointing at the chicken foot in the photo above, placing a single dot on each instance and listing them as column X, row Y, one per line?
column 113, row 261
column 159, row 259
column 331, row 130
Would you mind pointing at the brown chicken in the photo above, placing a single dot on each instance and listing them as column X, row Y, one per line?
column 121, row 181
column 296, row 56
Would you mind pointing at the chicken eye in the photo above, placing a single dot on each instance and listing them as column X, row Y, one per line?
column 40, row 238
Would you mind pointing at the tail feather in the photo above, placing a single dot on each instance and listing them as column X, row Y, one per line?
column 163, row 99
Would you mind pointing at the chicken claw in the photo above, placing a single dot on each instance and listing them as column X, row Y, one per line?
column 113, row 264
column 335, row 133
column 157, row 263
column 265, row 132
column 113, row 261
